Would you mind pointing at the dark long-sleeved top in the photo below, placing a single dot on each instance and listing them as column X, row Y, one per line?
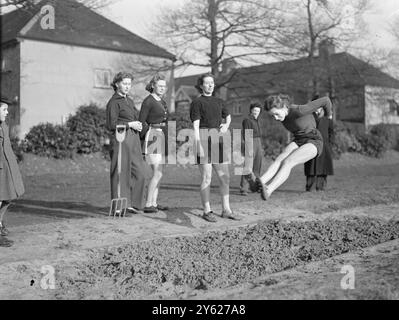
column 209, row 110
column 252, row 123
column 120, row 111
column 300, row 118
column 153, row 111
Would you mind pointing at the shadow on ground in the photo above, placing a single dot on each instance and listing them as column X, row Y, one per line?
column 176, row 216
column 58, row 209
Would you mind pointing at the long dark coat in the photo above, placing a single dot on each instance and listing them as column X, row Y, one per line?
column 134, row 172
column 11, row 185
column 322, row 165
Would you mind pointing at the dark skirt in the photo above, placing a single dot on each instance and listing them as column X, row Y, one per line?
column 314, row 137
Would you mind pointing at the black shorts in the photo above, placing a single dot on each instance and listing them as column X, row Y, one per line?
column 314, row 137
column 216, row 153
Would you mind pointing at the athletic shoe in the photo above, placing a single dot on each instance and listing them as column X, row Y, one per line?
column 263, row 192
column 231, row 215
column 151, row 209
column 209, row 216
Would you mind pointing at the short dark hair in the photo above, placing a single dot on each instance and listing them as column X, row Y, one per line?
column 5, row 100
column 200, row 80
column 277, row 101
column 119, row 77
column 150, row 86
column 255, row 105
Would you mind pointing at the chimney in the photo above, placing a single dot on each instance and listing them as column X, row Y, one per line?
column 326, row 48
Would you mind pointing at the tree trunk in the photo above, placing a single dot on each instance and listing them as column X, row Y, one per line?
column 212, row 11
column 312, row 49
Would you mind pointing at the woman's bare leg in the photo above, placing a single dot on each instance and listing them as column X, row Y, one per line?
column 206, row 179
column 154, row 185
column 275, row 166
column 223, row 174
column 299, row 156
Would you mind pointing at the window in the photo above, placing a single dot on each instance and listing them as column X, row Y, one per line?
column 102, row 78
column 237, row 110
column 393, row 107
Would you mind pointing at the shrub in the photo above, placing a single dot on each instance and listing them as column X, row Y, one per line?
column 182, row 119
column 373, row 145
column 88, row 127
column 344, row 140
column 49, row 140
column 17, row 148
column 272, row 148
column 388, row 132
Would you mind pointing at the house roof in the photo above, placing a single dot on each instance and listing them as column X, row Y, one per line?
column 76, row 24
column 345, row 69
column 188, row 81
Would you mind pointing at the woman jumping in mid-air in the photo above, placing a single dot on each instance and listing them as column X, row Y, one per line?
column 307, row 143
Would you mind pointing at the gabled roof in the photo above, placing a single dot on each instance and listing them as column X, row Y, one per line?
column 345, row 69
column 75, row 24
column 186, row 81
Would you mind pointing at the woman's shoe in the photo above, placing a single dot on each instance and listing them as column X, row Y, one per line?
column 151, row 209
column 231, row 215
column 209, row 216
column 264, row 192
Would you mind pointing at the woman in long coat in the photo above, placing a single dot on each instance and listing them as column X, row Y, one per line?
column 317, row 169
column 121, row 111
column 11, row 185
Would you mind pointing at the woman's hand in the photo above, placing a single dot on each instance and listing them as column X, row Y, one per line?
column 200, row 149
column 224, row 127
column 136, row 125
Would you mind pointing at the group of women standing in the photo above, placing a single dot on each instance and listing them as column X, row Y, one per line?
column 207, row 113
column 121, row 110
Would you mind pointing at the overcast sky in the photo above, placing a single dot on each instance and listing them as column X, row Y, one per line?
column 138, row 15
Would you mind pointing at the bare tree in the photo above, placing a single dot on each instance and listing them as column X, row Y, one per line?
column 394, row 28
column 209, row 33
column 309, row 22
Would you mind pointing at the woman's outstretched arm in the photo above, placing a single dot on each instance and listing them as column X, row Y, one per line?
column 312, row 106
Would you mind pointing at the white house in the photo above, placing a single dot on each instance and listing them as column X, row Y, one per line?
column 60, row 55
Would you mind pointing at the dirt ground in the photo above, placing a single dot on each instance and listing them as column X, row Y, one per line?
column 61, row 222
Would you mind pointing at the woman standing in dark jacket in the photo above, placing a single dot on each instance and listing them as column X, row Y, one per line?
column 121, row 111
column 11, row 185
column 317, row 169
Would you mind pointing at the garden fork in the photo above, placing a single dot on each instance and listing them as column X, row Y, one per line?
column 119, row 205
